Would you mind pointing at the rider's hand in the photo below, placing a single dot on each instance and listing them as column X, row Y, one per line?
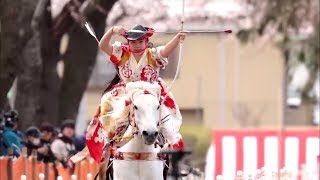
column 182, row 36
column 119, row 30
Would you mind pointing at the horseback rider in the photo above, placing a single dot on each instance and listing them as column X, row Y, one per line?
column 136, row 61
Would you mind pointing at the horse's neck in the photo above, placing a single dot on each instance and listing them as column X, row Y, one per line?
column 137, row 145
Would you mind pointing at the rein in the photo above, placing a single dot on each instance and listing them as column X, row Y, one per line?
column 131, row 114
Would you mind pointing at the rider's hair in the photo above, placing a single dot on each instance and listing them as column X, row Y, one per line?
column 113, row 82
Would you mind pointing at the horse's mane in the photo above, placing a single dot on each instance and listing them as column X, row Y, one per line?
column 119, row 107
column 153, row 88
column 116, row 115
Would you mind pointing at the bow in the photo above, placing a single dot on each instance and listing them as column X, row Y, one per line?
column 180, row 56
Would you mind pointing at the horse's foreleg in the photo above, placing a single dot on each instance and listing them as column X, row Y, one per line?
column 104, row 165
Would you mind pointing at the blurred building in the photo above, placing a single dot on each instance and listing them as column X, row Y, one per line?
column 221, row 83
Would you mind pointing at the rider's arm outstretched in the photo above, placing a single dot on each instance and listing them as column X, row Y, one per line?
column 171, row 45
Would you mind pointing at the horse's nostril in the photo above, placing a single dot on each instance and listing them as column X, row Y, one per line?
column 156, row 134
column 144, row 133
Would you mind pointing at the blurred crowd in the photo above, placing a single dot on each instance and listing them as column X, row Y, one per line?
column 48, row 143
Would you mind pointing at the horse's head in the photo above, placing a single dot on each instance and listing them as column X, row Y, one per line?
column 145, row 105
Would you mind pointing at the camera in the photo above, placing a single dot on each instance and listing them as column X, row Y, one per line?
column 10, row 118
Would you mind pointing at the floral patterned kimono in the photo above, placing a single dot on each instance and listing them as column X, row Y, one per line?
column 147, row 69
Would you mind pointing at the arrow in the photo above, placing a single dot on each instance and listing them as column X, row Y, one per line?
column 191, row 31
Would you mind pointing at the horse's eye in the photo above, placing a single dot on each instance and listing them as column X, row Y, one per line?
column 158, row 107
column 135, row 107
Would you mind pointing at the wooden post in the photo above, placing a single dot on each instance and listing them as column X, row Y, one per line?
column 34, row 164
column 24, row 155
column 9, row 169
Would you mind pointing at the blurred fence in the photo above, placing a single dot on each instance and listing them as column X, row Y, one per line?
column 28, row 168
column 294, row 151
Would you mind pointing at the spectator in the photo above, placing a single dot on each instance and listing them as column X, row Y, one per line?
column 10, row 141
column 63, row 147
column 33, row 142
column 48, row 132
column 48, row 135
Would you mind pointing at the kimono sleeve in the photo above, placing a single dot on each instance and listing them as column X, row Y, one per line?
column 116, row 53
column 160, row 61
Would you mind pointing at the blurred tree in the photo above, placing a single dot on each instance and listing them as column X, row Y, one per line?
column 41, row 93
column 15, row 31
column 79, row 60
column 293, row 25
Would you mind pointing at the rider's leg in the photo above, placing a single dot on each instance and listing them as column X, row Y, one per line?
column 103, row 167
column 170, row 125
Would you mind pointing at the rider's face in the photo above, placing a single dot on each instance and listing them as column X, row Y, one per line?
column 138, row 45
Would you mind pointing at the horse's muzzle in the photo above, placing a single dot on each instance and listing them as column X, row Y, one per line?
column 150, row 136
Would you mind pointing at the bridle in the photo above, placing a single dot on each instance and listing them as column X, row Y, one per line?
column 133, row 107
column 138, row 155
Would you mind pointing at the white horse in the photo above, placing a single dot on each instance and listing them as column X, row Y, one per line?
column 138, row 159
